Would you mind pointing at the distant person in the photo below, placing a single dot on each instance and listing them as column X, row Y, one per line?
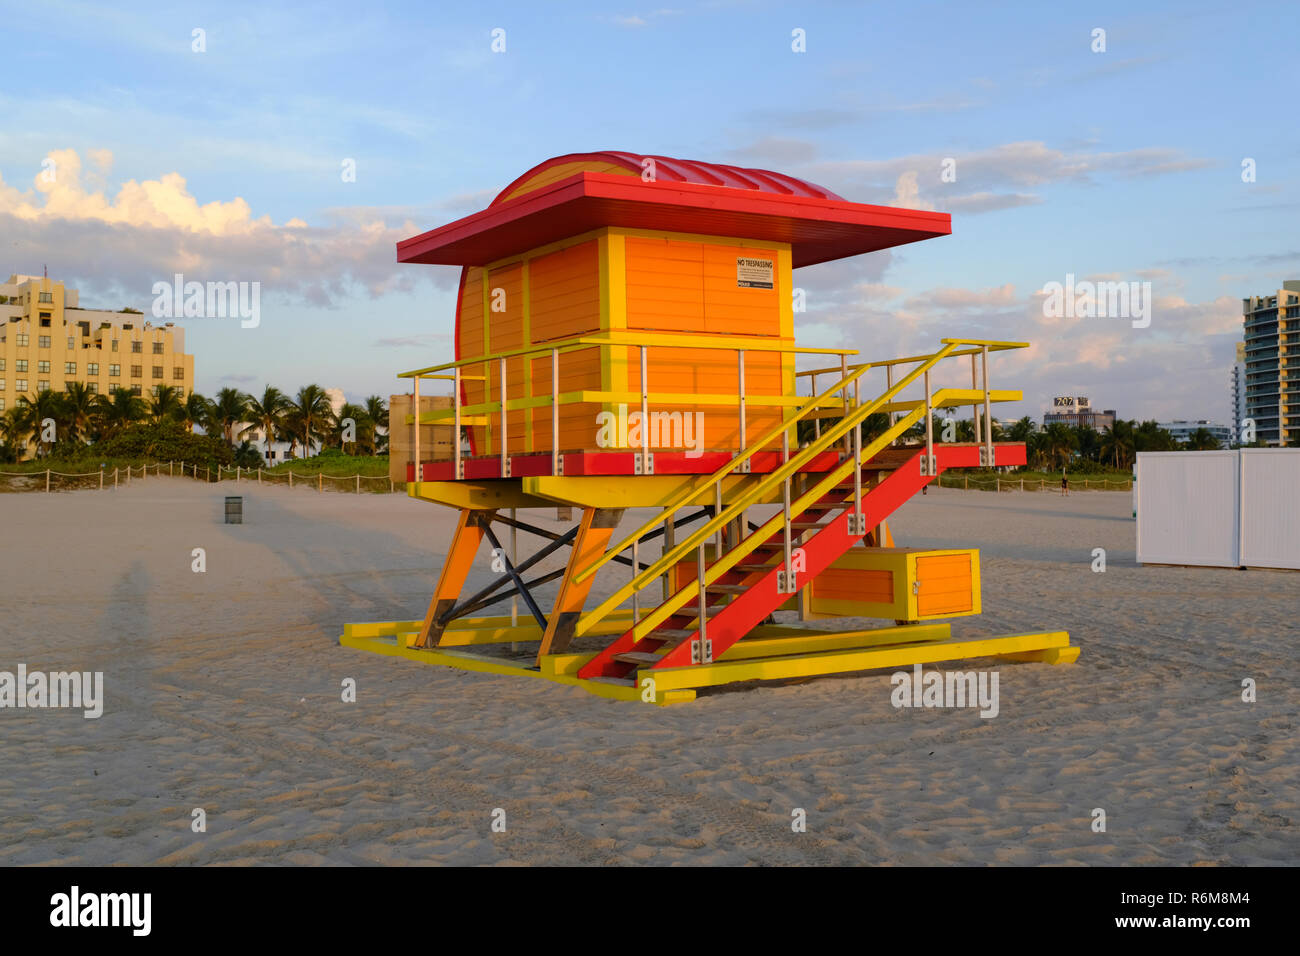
column 1065, row 485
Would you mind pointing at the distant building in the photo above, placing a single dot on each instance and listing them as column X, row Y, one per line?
column 1238, row 390
column 1183, row 430
column 47, row 341
column 1271, row 327
column 1077, row 411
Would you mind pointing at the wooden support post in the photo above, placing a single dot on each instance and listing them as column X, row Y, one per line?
column 47, row 481
column 594, row 532
column 460, row 558
column 514, row 559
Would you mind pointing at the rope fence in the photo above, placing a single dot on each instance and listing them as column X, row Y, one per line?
column 980, row 483
column 50, row 480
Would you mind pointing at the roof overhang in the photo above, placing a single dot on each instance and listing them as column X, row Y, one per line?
column 818, row 230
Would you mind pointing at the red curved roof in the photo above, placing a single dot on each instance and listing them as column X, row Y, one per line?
column 685, row 196
column 668, row 169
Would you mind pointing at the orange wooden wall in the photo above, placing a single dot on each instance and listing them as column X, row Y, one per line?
column 671, row 283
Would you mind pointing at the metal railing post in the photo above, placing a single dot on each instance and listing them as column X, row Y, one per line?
column 555, row 411
column 929, row 428
column 717, row 535
column 505, row 461
column 415, row 403
column 975, row 409
column 704, row 617
column 889, row 384
column 740, row 378
column 785, row 509
column 844, row 373
column 455, row 438
column 670, row 542
column 636, row 569
column 988, row 417
column 645, row 416
column 817, row 420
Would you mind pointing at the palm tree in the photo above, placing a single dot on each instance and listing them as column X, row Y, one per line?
column 79, row 410
column 194, row 410
column 45, row 406
column 1089, row 442
column 227, row 410
column 267, row 413
column 1117, row 444
column 361, row 424
column 1059, row 443
column 309, row 415
column 1022, row 429
column 1202, row 440
column 118, row 411
column 1149, row 436
column 12, row 432
column 166, row 404
column 377, row 412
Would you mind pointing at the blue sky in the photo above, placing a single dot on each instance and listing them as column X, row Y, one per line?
column 225, row 164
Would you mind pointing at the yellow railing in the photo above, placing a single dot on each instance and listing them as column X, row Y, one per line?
column 850, row 422
column 482, row 413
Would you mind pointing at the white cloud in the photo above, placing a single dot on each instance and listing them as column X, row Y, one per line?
column 150, row 229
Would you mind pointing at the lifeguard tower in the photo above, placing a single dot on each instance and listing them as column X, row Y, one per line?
column 625, row 340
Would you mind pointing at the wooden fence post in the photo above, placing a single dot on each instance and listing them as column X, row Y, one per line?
column 47, row 481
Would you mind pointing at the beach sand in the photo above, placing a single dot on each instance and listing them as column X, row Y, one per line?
column 224, row 693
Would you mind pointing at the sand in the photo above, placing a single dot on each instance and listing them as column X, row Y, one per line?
column 224, row 693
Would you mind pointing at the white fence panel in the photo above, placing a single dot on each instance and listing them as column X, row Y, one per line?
column 1270, row 507
column 1187, row 508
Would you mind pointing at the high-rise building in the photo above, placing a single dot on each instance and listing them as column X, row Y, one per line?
column 1238, row 392
column 1272, row 335
column 47, row 341
column 1182, row 429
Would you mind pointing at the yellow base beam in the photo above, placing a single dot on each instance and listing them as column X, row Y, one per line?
column 770, row 652
column 561, row 674
column 467, row 631
column 1014, row 646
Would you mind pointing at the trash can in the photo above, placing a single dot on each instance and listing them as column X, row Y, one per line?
column 234, row 510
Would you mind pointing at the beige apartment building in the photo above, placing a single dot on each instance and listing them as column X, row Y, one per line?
column 47, row 340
